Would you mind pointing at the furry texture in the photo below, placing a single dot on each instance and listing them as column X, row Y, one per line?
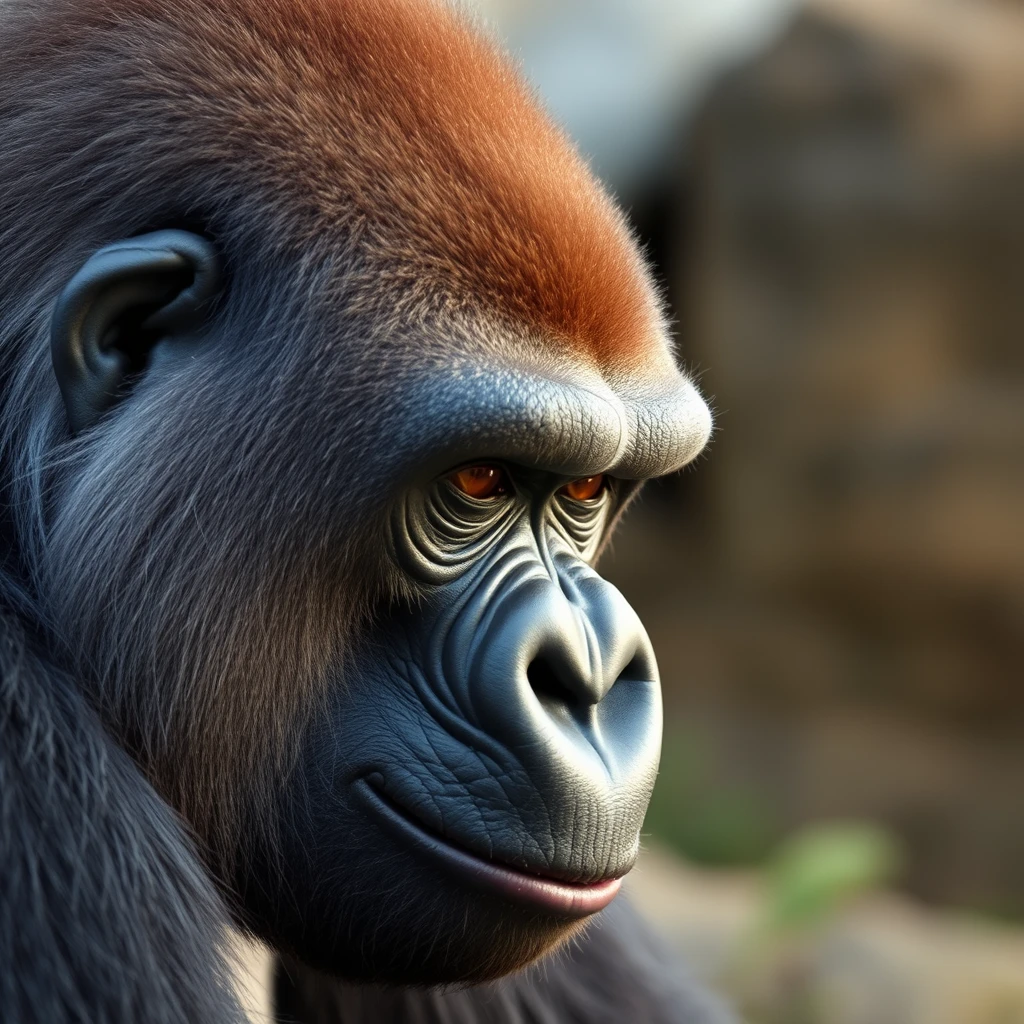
column 616, row 972
column 105, row 914
column 378, row 176
column 392, row 120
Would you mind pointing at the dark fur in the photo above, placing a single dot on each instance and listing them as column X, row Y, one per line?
column 617, row 973
column 285, row 130
column 106, row 916
column 166, row 572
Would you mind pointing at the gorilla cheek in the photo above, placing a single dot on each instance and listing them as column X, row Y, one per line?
column 340, row 890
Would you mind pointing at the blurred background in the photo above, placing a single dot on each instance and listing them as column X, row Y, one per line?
column 833, row 194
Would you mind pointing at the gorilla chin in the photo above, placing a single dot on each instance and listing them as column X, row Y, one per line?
column 399, row 904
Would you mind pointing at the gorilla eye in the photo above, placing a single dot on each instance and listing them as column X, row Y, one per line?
column 481, row 481
column 586, row 488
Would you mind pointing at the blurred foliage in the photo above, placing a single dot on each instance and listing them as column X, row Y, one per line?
column 810, row 880
column 819, row 869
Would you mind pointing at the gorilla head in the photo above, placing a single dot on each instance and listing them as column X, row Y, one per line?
column 351, row 368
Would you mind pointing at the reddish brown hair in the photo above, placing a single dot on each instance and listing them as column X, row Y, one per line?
column 399, row 120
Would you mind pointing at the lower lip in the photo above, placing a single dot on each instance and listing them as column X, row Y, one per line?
column 546, row 895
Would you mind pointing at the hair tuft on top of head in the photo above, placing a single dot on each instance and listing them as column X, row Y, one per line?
column 394, row 121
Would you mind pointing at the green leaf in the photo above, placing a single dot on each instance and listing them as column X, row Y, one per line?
column 822, row 867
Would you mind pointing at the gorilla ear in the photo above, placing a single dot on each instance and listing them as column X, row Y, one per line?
column 128, row 298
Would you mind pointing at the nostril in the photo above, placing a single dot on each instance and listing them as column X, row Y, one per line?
column 568, row 689
column 548, row 687
column 637, row 671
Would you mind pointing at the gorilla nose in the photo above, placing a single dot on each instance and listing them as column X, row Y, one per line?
column 560, row 681
column 588, row 638
column 561, row 673
column 581, row 639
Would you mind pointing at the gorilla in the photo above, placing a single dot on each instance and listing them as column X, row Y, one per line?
column 327, row 370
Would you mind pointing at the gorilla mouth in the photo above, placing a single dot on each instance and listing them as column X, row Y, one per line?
column 537, row 892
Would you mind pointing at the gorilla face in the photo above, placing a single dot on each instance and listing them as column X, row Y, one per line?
column 468, row 774
column 487, row 763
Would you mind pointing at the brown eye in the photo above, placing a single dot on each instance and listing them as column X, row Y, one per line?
column 586, row 488
column 481, row 481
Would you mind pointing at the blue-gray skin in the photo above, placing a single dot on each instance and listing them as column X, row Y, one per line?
column 513, row 713
column 490, row 745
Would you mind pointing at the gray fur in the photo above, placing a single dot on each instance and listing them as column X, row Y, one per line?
column 105, row 915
